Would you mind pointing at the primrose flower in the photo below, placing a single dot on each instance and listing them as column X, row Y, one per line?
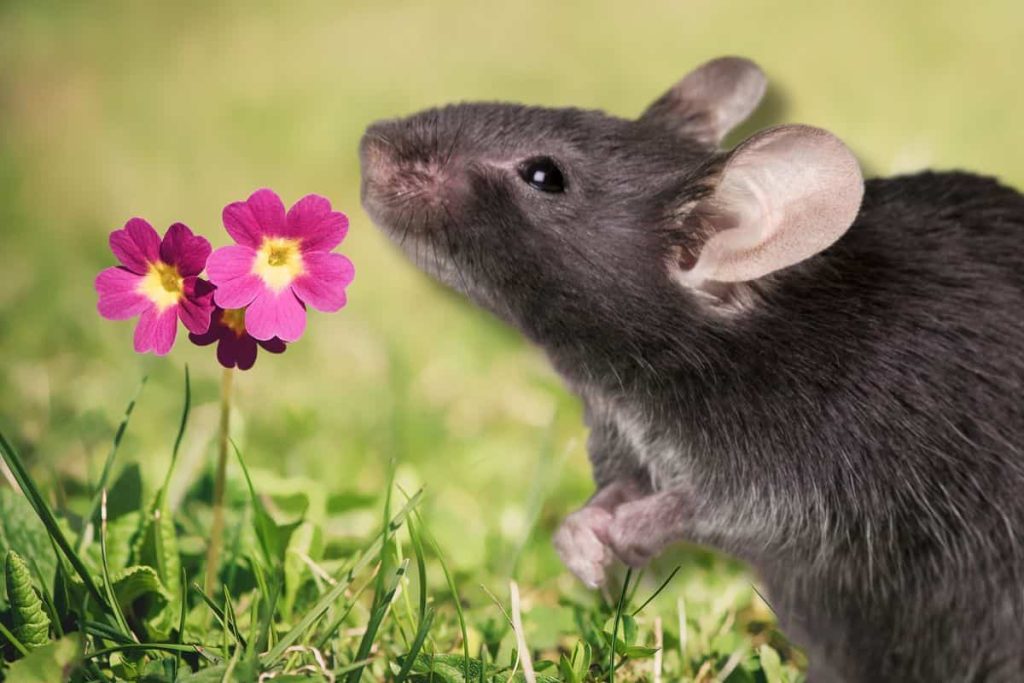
column 281, row 263
column 236, row 348
column 157, row 281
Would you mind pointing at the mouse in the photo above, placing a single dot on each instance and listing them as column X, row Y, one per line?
column 818, row 374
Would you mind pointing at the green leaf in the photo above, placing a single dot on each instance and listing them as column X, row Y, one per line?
column 451, row 668
column 566, row 669
column 31, row 625
column 211, row 674
column 629, row 629
column 343, row 581
column 637, row 651
column 42, row 509
column 520, row 677
column 156, row 546
column 131, row 584
column 305, row 542
column 417, row 645
column 273, row 539
column 23, row 532
column 771, row 664
column 52, row 662
column 582, row 655
column 447, row 668
column 125, row 495
column 740, row 675
column 121, row 533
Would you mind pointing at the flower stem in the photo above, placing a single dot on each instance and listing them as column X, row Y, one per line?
column 217, row 532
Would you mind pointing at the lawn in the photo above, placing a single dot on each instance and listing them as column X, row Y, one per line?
column 110, row 110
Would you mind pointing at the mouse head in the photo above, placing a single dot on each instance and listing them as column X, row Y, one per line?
column 573, row 223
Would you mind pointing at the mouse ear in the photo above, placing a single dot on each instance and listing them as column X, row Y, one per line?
column 782, row 196
column 711, row 100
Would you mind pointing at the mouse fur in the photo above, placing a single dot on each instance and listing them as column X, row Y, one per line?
column 851, row 425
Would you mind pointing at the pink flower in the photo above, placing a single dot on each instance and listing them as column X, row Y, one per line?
column 281, row 263
column 158, row 282
column 235, row 346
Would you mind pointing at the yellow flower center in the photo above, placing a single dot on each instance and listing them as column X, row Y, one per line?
column 234, row 320
column 162, row 285
column 278, row 262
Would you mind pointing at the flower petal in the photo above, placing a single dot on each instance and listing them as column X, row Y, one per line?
column 274, row 345
column 156, row 330
column 229, row 263
column 119, row 294
column 312, row 221
column 230, row 269
column 268, row 210
column 323, row 283
column 206, row 338
column 276, row 315
column 240, row 352
column 196, row 307
column 238, row 293
column 242, row 225
column 136, row 245
column 185, row 250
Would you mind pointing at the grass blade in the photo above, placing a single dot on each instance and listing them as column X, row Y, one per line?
column 421, row 566
column 107, row 583
column 108, row 466
column 615, row 628
column 451, row 587
column 186, row 409
column 271, row 593
column 664, row 584
column 379, row 612
column 13, row 640
column 106, row 632
column 417, row 645
column 35, row 497
column 336, row 624
column 179, row 638
column 156, row 647
column 330, row 597
column 225, row 622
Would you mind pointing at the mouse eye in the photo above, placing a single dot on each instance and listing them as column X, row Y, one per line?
column 543, row 174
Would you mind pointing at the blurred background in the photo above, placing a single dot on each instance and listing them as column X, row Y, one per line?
column 171, row 110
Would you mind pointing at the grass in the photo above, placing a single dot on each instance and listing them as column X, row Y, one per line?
column 112, row 109
column 138, row 618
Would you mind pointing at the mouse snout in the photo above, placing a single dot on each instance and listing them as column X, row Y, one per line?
column 404, row 170
column 376, row 156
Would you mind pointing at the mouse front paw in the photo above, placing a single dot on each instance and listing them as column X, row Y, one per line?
column 581, row 542
column 636, row 534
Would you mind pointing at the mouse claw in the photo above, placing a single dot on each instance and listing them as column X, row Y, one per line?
column 581, row 543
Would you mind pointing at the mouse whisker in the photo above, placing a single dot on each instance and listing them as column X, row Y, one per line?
column 455, row 141
column 448, row 241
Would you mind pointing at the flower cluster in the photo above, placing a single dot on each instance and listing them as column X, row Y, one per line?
column 257, row 290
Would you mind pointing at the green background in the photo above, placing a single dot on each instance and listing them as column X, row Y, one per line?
column 171, row 110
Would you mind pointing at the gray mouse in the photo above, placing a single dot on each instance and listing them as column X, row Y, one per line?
column 819, row 375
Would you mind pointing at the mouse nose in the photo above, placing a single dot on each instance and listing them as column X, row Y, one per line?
column 377, row 154
column 403, row 165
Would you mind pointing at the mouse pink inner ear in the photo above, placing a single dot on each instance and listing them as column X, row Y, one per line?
column 782, row 196
column 711, row 100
